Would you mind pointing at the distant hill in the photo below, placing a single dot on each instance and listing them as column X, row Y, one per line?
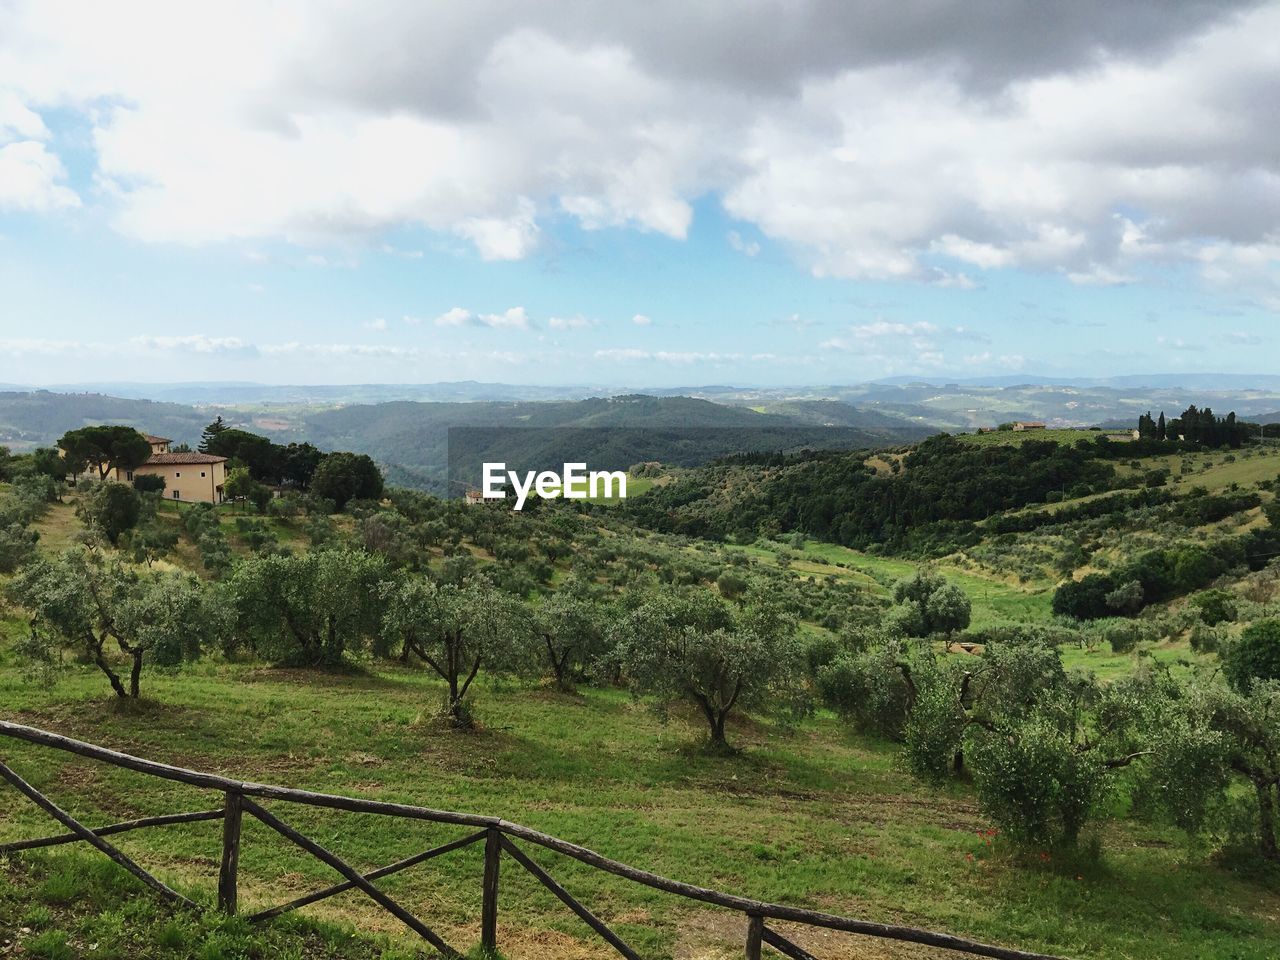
column 38, row 418
column 411, row 438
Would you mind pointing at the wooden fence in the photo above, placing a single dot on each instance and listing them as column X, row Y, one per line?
column 499, row 836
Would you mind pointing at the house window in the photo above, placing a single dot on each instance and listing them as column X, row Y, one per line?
column 202, row 473
column 128, row 474
column 176, row 495
column 177, row 473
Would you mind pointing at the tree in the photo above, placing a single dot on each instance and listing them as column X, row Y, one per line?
column 111, row 508
column 262, row 457
column 731, row 585
column 308, row 609
column 1211, row 735
column 237, row 484
column 691, row 646
column 458, row 630
column 83, row 600
column 298, row 464
column 1084, row 599
column 209, row 437
column 1126, row 598
column 573, row 631
column 104, row 448
column 1041, row 762
column 933, row 606
column 1254, row 656
column 149, row 483
column 343, row 477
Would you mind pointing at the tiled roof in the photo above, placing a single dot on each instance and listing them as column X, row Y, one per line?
column 155, row 439
column 183, row 458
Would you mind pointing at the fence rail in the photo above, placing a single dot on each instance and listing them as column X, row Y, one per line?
column 499, row 836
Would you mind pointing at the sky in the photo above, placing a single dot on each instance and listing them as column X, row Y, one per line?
column 749, row 192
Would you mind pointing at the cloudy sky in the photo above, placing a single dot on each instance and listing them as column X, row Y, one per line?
column 659, row 193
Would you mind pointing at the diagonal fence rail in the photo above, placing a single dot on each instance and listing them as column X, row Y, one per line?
column 499, row 837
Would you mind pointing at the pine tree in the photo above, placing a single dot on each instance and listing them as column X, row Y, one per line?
column 211, row 433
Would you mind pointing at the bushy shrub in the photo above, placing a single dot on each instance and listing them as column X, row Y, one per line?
column 1215, row 606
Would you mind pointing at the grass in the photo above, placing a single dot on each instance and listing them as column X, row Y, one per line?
column 64, row 905
column 812, row 815
column 994, row 600
column 1214, row 471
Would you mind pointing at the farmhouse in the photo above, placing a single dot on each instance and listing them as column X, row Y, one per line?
column 1028, row 425
column 198, row 477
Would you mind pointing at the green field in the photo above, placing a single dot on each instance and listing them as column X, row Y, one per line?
column 993, row 600
column 812, row 816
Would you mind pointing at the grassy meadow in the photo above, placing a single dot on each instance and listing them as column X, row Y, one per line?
column 812, row 816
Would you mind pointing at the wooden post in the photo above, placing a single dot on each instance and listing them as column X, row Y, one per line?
column 489, row 906
column 755, row 936
column 231, row 818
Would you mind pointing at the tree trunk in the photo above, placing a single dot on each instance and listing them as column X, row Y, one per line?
column 135, row 674
column 718, row 741
column 112, row 676
column 98, row 658
column 557, row 664
column 1266, row 818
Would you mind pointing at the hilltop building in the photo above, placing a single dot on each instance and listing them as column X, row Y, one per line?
column 190, row 476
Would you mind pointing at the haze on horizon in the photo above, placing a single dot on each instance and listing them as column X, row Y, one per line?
column 660, row 195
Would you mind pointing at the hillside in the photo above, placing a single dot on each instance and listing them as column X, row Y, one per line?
column 410, row 438
column 413, row 438
column 32, row 419
column 830, row 805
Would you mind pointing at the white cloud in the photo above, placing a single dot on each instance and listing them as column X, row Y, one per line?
column 513, row 319
column 454, row 317
column 572, row 323
column 503, row 238
column 673, row 357
column 640, row 320
column 30, row 179
column 18, row 121
column 872, row 142
column 379, row 324
column 194, row 343
column 1100, row 276
column 45, row 347
column 748, row 248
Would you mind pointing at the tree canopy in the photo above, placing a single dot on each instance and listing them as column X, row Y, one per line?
column 104, row 448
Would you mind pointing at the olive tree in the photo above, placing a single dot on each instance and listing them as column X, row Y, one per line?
column 691, row 646
column 1220, row 736
column 110, row 508
column 928, row 605
column 573, row 630
column 458, row 629
column 307, row 609
column 82, row 600
column 1043, row 760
